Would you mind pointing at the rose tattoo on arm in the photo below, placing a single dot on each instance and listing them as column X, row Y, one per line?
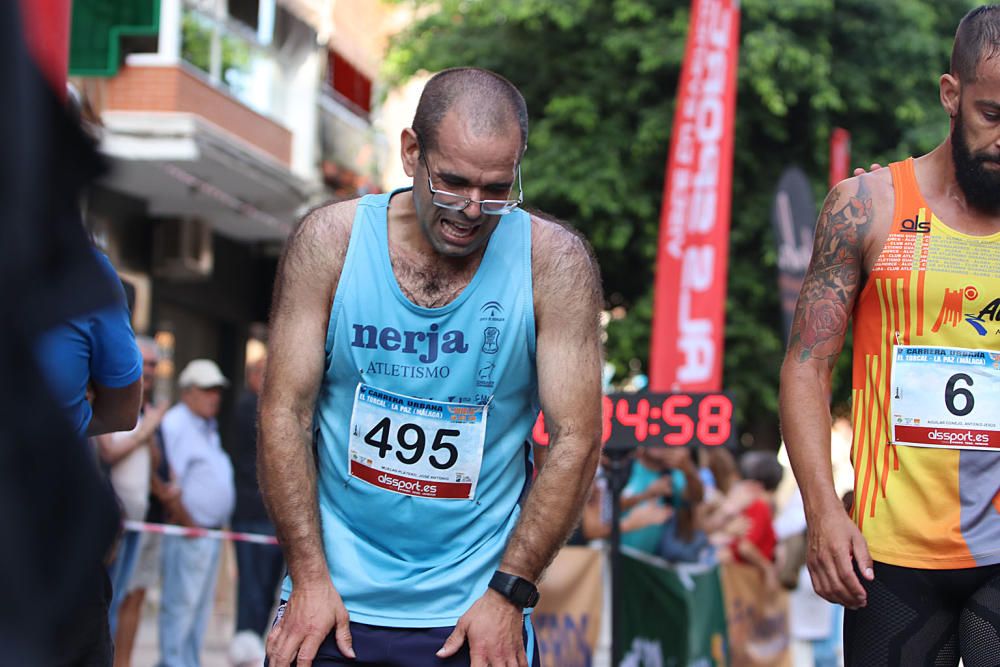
column 834, row 277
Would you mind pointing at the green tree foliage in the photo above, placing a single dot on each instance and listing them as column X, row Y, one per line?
column 600, row 78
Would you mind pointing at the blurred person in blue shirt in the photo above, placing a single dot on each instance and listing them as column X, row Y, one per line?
column 95, row 352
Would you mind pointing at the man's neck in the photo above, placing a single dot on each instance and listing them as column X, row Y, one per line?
column 936, row 177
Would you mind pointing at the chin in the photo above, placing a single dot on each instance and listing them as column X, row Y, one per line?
column 447, row 249
column 457, row 252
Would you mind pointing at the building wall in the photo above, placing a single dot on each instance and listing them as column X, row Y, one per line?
column 178, row 88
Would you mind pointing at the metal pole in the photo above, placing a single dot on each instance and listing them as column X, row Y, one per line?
column 618, row 470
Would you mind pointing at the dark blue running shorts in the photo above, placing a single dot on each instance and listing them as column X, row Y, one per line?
column 404, row 647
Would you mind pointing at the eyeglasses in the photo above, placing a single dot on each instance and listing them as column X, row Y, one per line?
column 454, row 202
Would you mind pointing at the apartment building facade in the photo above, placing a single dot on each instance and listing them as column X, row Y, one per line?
column 223, row 122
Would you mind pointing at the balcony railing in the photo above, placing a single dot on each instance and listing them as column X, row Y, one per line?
column 231, row 56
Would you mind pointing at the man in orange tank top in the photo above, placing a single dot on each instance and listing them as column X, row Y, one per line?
column 910, row 256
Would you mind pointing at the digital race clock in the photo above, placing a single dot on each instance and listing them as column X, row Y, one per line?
column 660, row 419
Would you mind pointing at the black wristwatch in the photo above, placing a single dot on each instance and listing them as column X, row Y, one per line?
column 521, row 592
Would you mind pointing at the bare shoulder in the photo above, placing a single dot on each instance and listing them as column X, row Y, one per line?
column 322, row 236
column 562, row 262
column 873, row 186
column 860, row 209
column 314, row 257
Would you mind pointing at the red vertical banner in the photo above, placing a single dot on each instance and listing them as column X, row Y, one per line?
column 840, row 155
column 690, row 290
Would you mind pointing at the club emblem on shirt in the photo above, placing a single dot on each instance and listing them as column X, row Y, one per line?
column 484, row 376
column 491, row 340
column 953, row 310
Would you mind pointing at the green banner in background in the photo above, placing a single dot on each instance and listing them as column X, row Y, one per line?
column 670, row 617
column 707, row 636
column 97, row 29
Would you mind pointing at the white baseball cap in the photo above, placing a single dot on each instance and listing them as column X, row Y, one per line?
column 202, row 373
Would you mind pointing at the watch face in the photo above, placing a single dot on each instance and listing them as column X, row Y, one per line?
column 523, row 593
column 520, row 592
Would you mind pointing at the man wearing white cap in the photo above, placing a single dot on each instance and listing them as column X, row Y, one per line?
column 205, row 477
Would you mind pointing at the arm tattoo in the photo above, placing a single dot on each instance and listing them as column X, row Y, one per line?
column 834, row 277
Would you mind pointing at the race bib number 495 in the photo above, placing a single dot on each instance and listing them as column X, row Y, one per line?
column 946, row 397
column 414, row 446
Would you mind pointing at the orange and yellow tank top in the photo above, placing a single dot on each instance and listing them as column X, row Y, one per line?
column 926, row 392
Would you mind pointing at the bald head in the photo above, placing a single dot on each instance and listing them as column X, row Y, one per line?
column 489, row 104
column 976, row 41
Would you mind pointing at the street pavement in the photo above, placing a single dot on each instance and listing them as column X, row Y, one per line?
column 214, row 651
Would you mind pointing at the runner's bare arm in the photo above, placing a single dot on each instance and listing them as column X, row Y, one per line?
column 567, row 291
column 304, row 288
column 568, row 299
column 831, row 286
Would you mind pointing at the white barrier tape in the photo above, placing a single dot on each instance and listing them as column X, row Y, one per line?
column 182, row 531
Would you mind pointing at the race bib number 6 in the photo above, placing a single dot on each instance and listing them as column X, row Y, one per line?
column 416, row 447
column 946, row 397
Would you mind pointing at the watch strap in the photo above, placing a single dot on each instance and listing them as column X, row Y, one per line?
column 521, row 592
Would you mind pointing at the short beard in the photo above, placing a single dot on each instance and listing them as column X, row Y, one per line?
column 980, row 186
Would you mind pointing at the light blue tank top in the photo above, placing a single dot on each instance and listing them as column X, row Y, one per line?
column 399, row 560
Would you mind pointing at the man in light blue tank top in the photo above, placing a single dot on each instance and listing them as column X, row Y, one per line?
column 414, row 337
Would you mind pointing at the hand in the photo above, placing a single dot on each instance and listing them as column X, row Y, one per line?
column 313, row 611
column 152, row 417
column 648, row 514
column 738, row 526
column 167, row 492
column 660, row 487
column 861, row 170
column 834, row 541
column 494, row 629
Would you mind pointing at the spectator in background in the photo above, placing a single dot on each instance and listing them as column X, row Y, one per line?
column 643, row 510
column 128, row 455
column 260, row 567
column 659, row 479
column 761, row 476
column 207, row 494
column 718, row 464
column 682, row 540
column 163, row 504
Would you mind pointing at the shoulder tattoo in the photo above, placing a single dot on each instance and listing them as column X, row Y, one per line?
column 834, row 276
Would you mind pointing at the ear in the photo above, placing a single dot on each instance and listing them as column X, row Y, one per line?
column 409, row 151
column 951, row 93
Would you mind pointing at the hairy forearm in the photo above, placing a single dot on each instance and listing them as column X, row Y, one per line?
column 287, row 472
column 553, row 506
column 806, row 426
